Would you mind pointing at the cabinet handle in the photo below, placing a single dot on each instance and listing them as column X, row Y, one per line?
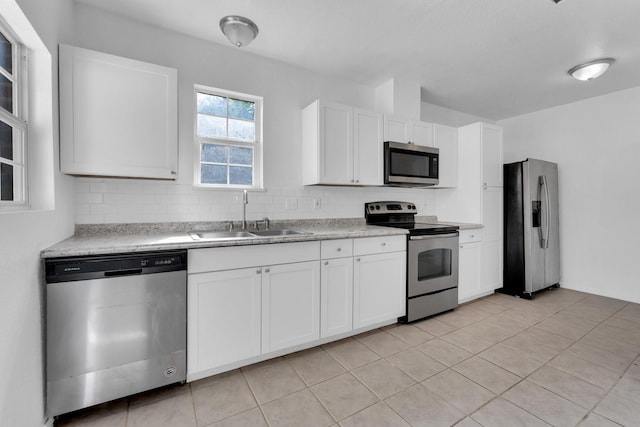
column 461, row 246
column 339, row 249
column 326, row 263
column 357, row 180
column 358, row 259
column 384, row 243
column 352, row 180
column 473, row 235
column 258, row 271
column 266, row 270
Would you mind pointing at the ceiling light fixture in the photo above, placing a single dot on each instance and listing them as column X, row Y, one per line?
column 591, row 70
column 239, row 30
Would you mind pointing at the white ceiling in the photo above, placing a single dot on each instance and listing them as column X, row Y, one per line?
column 492, row 58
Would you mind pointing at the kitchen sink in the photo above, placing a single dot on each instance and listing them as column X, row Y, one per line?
column 275, row 233
column 233, row 235
column 220, row 235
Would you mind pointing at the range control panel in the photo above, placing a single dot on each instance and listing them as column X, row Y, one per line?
column 375, row 208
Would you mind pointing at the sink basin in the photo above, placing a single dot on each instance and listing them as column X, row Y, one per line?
column 220, row 235
column 272, row 233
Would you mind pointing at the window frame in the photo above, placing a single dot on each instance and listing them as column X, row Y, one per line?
column 17, row 119
column 257, row 144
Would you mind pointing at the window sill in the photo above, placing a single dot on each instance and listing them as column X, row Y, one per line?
column 227, row 188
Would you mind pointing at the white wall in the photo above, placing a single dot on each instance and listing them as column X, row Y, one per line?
column 286, row 90
column 24, row 234
column 596, row 144
column 446, row 116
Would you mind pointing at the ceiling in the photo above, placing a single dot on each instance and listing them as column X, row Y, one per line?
column 491, row 58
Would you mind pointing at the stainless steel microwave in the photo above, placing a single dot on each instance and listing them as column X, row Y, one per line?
column 410, row 165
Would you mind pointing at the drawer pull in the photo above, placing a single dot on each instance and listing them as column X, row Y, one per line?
column 258, row 271
column 384, row 243
column 266, row 270
column 326, row 263
column 339, row 249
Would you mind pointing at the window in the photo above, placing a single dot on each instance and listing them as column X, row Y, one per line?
column 228, row 134
column 13, row 128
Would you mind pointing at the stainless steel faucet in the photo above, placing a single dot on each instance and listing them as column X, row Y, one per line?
column 245, row 202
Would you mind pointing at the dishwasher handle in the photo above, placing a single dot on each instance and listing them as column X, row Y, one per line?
column 129, row 272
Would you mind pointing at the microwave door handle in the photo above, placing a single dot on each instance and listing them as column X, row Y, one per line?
column 547, row 212
column 541, row 183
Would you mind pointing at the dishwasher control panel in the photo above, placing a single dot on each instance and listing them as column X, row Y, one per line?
column 93, row 267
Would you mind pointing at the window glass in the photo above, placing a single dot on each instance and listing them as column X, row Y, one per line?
column 213, row 174
column 13, row 126
column 6, row 182
column 6, row 141
column 240, row 175
column 211, row 126
column 6, row 54
column 240, row 155
column 239, row 109
column 227, row 132
column 212, row 105
column 6, row 94
column 213, row 153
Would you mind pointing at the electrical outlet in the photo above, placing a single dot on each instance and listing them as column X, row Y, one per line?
column 291, row 203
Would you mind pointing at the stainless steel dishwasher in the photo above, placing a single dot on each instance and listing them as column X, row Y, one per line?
column 116, row 325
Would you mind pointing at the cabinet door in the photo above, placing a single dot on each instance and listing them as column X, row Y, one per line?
column 118, row 116
column 491, row 155
column 368, row 152
column 223, row 318
column 492, row 213
column 445, row 138
column 491, row 277
column 379, row 288
column 336, row 144
column 396, row 130
column 421, row 133
column 290, row 305
column 336, row 294
column 469, row 271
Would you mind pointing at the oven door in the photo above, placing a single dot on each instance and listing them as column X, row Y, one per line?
column 432, row 263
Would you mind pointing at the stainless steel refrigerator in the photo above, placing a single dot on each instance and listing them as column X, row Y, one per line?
column 531, row 227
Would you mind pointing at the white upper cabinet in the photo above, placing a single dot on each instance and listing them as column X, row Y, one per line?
column 491, row 155
column 445, row 138
column 341, row 145
column 118, row 116
column 408, row 131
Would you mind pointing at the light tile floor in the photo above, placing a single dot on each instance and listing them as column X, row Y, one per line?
column 564, row 359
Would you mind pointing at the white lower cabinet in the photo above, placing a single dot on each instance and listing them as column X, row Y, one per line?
column 290, row 305
column 224, row 317
column 336, row 290
column 469, row 265
column 378, row 288
column 251, row 303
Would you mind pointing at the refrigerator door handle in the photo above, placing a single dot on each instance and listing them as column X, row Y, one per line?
column 547, row 212
column 541, row 234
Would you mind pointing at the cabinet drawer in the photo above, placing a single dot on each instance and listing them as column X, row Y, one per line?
column 231, row 257
column 336, row 248
column 378, row 245
column 467, row 236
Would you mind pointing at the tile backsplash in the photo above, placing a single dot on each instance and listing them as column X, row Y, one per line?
column 107, row 200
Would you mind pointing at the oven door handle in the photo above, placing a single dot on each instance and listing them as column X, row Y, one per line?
column 433, row 236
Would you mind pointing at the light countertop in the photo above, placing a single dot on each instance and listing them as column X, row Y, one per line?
column 127, row 238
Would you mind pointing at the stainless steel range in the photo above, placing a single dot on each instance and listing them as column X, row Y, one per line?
column 432, row 258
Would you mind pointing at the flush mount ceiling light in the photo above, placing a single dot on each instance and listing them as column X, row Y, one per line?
column 591, row 70
column 239, row 30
